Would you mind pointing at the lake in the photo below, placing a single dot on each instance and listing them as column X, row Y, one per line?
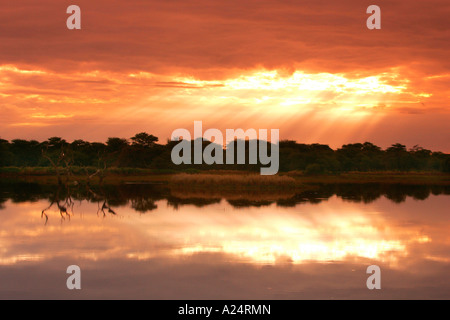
column 149, row 242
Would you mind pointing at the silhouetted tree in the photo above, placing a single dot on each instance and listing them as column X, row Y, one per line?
column 144, row 139
column 144, row 152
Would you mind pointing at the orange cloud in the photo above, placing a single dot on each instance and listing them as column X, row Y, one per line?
column 310, row 68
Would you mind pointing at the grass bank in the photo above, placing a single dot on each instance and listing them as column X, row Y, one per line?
column 223, row 179
column 235, row 180
column 391, row 177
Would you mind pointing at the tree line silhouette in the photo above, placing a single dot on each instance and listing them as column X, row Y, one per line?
column 144, row 151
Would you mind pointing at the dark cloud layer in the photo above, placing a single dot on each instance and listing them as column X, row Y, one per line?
column 158, row 36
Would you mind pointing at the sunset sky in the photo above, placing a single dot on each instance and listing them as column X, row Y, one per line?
column 311, row 69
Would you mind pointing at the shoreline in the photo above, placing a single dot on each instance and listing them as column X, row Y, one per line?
column 225, row 179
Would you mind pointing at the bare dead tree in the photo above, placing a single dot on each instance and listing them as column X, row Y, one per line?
column 62, row 164
column 54, row 165
column 67, row 159
column 100, row 172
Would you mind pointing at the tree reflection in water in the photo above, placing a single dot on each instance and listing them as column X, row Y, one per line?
column 142, row 198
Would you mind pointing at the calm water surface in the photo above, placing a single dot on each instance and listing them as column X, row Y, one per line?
column 144, row 242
